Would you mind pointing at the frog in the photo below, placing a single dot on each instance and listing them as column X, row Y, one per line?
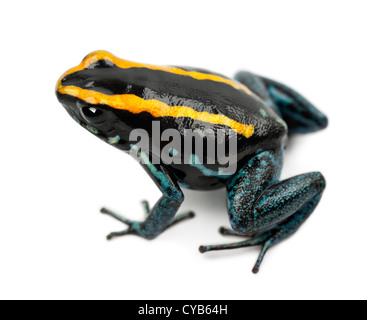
column 111, row 97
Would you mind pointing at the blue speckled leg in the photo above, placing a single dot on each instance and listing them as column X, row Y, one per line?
column 162, row 216
column 146, row 208
column 300, row 115
column 267, row 209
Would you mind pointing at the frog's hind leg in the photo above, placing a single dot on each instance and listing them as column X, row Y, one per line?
column 300, row 115
column 270, row 238
column 272, row 210
column 257, row 86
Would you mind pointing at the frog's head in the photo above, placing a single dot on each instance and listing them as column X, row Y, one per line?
column 86, row 93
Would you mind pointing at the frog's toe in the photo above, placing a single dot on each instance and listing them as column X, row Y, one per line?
column 133, row 226
column 228, row 232
column 266, row 240
column 138, row 228
column 146, row 207
column 243, row 244
column 182, row 217
column 119, row 234
column 117, row 217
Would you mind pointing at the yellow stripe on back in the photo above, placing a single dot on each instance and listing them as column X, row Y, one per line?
column 136, row 105
column 124, row 64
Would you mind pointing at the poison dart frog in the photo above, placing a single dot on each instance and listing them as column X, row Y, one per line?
column 111, row 98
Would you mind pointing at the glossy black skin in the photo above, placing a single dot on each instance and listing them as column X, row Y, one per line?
column 176, row 90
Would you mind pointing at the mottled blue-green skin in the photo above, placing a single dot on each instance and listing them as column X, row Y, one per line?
column 260, row 205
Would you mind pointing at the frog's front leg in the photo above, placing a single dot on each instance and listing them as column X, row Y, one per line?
column 162, row 215
column 265, row 208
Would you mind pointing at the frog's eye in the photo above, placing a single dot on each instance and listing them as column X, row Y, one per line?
column 93, row 114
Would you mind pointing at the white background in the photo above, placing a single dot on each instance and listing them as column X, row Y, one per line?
column 55, row 176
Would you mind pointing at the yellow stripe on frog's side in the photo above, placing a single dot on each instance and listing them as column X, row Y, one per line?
column 124, row 64
column 136, row 105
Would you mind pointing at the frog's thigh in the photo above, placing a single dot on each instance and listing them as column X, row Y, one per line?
column 287, row 198
column 257, row 85
column 257, row 201
column 299, row 113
